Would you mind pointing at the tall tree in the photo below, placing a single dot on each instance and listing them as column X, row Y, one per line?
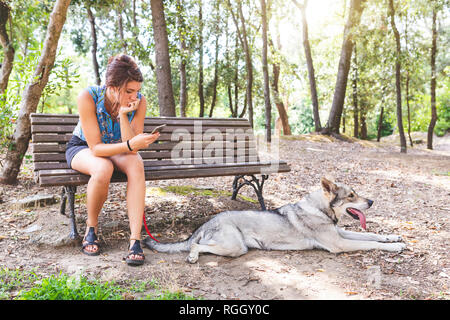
column 355, row 95
column 163, row 72
column 309, row 65
column 433, row 81
column 119, row 10
column 334, row 118
column 32, row 93
column 398, row 87
column 181, row 25
column 268, row 110
column 91, row 19
column 201, row 94
column 242, row 35
column 8, row 49
column 276, row 69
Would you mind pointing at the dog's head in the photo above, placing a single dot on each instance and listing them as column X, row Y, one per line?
column 343, row 199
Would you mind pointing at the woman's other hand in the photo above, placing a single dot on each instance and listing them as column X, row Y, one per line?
column 129, row 108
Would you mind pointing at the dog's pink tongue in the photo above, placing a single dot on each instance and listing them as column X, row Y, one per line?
column 361, row 216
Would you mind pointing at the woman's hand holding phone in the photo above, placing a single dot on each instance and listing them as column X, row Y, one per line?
column 143, row 140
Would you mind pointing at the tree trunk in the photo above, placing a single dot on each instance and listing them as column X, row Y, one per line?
column 408, row 108
column 8, row 49
column 276, row 94
column 183, row 53
column 265, row 68
column 380, row 123
column 248, row 58
column 201, row 94
column 433, row 82
column 398, row 79
column 337, row 105
column 355, row 96
column 363, row 125
column 216, row 78
column 32, row 93
column 91, row 19
column 310, row 66
column 163, row 72
column 119, row 11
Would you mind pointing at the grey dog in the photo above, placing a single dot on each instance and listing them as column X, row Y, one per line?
column 308, row 224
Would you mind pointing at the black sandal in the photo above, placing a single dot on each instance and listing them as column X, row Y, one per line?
column 137, row 251
column 91, row 239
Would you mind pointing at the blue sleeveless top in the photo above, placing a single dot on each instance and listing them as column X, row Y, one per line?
column 109, row 128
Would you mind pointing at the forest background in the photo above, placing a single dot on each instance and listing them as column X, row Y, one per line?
column 225, row 61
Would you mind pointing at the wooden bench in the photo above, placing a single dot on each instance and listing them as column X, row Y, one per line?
column 187, row 148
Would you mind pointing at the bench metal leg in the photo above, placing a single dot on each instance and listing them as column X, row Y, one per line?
column 240, row 181
column 68, row 193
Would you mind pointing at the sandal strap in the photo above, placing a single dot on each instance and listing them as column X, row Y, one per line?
column 136, row 248
column 91, row 237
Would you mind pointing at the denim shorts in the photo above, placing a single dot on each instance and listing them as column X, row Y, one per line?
column 74, row 146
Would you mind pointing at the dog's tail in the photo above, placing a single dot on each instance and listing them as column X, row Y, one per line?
column 168, row 247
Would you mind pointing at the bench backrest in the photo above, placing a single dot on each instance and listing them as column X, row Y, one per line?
column 183, row 141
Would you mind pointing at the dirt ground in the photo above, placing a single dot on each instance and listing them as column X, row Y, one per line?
column 411, row 194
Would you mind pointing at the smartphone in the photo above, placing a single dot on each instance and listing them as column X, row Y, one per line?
column 158, row 129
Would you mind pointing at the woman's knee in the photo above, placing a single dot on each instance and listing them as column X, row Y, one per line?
column 102, row 171
column 135, row 168
column 132, row 165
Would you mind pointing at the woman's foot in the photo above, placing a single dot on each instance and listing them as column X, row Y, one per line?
column 90, row 244
column 135, row 255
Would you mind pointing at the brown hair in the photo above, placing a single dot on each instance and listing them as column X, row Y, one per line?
column 122, row 69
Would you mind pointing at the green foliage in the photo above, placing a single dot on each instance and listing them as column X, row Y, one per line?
column 63, row 287
column 374, row 42
column 301, row 118
column 10, row 101
column 61, row 80
column 28, row 285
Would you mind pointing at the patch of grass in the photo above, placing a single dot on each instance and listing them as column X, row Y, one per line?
column 190, row 190
column 63, row 287
column 27, row 285
column 167, row 295
column 441, row 173
column 11, row 281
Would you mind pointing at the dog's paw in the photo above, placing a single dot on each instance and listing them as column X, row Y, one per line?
column 393, row 238
column 397, row 247
column 191, row 258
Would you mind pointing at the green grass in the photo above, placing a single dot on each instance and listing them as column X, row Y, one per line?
column 27, row 285
column 190, row 190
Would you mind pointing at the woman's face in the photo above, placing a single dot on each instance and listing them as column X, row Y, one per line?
column 128, row 94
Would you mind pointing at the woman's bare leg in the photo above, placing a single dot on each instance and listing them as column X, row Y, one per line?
column 133, row 166
column 100, row 169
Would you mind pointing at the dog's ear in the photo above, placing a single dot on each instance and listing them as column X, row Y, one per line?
column 328, row 186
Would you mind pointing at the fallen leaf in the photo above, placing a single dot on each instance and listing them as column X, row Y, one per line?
column 351, row 293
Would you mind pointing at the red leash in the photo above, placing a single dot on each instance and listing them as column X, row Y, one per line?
column 146, row 228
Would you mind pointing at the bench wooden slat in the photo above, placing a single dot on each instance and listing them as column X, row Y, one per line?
column 232, row 122
column 61, row 148
column 147, row 128
column 149, row 163
column 45, row 157
column 79, row 179
column 165, row 137
column 57, row 172
column 53, row 118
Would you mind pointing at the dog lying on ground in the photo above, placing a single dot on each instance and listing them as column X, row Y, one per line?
column 308, row 224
